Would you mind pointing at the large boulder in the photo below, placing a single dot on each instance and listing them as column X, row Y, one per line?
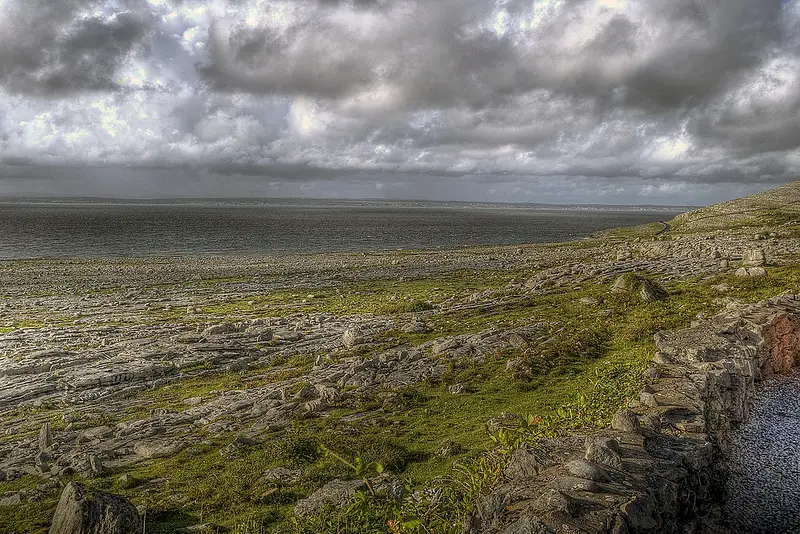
column 84, row 510
column 635, row 286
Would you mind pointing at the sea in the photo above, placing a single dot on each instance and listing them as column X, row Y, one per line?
column 69, row 228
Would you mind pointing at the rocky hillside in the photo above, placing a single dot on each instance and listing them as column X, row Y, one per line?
column 773, row 207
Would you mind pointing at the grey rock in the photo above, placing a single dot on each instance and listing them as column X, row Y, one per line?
column 45, row 437
column 625, row 420
column 352, row 337
column 156, row 449
column 281, row 475
column 525, row 463
column 336, row 493
column 82, row 510
column 604, row 453
column 10, row 499
column 96, row 465
column 587, row 470
column 220, row 329
column 457, row 389
column 753, row 258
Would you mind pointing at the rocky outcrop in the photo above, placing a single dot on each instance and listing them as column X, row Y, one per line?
column 655, row 469
column 87, row 511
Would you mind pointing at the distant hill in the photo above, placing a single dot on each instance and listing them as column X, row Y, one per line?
column 770, row 208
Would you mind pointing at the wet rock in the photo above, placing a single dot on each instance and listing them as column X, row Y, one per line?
column 82, row 510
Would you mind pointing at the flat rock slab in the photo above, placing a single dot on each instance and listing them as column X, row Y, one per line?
column 157, row 449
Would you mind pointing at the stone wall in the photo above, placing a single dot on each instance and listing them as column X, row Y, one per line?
column 654, row 470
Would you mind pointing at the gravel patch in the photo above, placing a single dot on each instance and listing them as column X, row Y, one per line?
column 763, row 488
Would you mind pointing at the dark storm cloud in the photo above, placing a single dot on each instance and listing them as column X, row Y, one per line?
column 57, row 47
column 402, row 95
column 440, row 54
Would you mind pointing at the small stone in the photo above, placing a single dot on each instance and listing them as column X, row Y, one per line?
column 42, row 462
column 517, row 341
column 519, row 369
column 589, row 301
column 555, row 501
column 416, row 327
column 281, row 475
column 571, row 483
column 220, row 329
column 193, row 401
column 457, row 389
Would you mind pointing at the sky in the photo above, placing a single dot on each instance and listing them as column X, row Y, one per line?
column 558, row 101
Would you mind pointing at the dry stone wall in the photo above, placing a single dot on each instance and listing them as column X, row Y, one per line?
column 655, row 469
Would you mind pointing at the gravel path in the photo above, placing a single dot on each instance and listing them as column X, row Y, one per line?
column 763, row 491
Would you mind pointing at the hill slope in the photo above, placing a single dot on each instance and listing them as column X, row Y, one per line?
column 773, row 207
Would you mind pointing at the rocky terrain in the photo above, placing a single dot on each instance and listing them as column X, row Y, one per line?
column 147, row 377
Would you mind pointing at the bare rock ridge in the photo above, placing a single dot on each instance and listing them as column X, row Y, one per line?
column 656, row 469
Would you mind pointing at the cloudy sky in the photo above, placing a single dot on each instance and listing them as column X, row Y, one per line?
column 615, row 101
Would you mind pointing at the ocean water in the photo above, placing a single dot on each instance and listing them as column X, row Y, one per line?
column 96, row 230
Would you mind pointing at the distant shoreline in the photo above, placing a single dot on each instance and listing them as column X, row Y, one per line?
column 344, row 203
